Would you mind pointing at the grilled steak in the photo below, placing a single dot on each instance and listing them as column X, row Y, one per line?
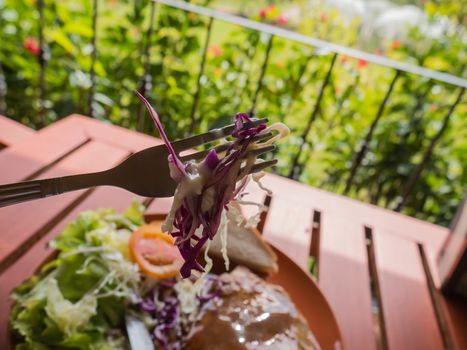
column 250, row 314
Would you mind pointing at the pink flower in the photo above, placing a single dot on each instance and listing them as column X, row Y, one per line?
column 262, row 12
column 323, row 17
column 282, row 20
column 32, row 46
column 395, row 44
column 271, row 8
column 215, row 50
column 361, row 64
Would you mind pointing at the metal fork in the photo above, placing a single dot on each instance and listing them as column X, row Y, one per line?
column 145, row 173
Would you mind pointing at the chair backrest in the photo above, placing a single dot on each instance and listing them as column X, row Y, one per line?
column 452, row 260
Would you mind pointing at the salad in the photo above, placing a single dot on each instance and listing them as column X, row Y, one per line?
column 78, row 299
column 111, row 265
column 108, row 264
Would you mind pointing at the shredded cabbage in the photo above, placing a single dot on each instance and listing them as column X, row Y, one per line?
column 253, row 220
column 223, row 235
column 257, row 178
column 205, row 189
column 172, row 307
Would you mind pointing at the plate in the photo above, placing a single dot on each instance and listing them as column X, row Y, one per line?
column 303, row 291
column 309, row 299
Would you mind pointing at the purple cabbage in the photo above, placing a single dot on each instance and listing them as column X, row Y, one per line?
column 222, row 184
column 163, row 306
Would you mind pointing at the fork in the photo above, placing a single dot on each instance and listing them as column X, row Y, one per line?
column 144, row 173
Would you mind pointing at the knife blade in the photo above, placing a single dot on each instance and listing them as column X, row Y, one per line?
column 139, row 337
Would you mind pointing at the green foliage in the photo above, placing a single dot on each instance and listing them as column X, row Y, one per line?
column 293, row 78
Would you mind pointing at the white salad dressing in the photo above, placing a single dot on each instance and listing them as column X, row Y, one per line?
column 189, row 185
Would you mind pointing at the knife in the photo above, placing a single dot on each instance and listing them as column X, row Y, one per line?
column 139, row 337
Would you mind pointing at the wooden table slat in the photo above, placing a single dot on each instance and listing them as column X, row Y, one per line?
column 344, row 279
column 408, row 310
column 35, row 215
column 113, row 134
column 160, row 206
column 288, row 228
column 343, row 207
column 12, row 132
column 47, row 146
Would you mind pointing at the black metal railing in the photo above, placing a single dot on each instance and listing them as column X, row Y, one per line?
column 400, row 69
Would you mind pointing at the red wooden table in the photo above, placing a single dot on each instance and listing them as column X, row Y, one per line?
column 377, row 268
column 12, row 132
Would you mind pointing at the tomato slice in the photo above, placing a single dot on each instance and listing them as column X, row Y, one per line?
column 155, row 252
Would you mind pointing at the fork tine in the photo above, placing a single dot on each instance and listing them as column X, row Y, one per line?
column 261, row 166
column 221, row 148
column 200, row 155
column 260, row 151
column 211, row 135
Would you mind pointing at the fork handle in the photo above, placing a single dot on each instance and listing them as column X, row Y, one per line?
column 25, row 191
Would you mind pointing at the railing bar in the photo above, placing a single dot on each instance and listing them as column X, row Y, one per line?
column 364, row 149
column 304, row 39
column 375, row 195
column 92, row 71
column 294, row 171
column 264, row 66
column 249, row 58
column 146, row 79
column 3, row 86
column 295, row 92
column 341, row 102
column 42, row 60
column 3, row 91
column 296, row 87
column 197, row 95
column 420, row 99
column 416, row 117
column 427, row 155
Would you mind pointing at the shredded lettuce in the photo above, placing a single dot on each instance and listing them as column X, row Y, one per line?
column 68, row 316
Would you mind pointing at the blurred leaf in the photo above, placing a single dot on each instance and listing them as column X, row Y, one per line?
column 78, row 28
column 61, row 39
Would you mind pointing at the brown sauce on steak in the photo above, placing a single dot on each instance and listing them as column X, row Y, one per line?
column 251, row 314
